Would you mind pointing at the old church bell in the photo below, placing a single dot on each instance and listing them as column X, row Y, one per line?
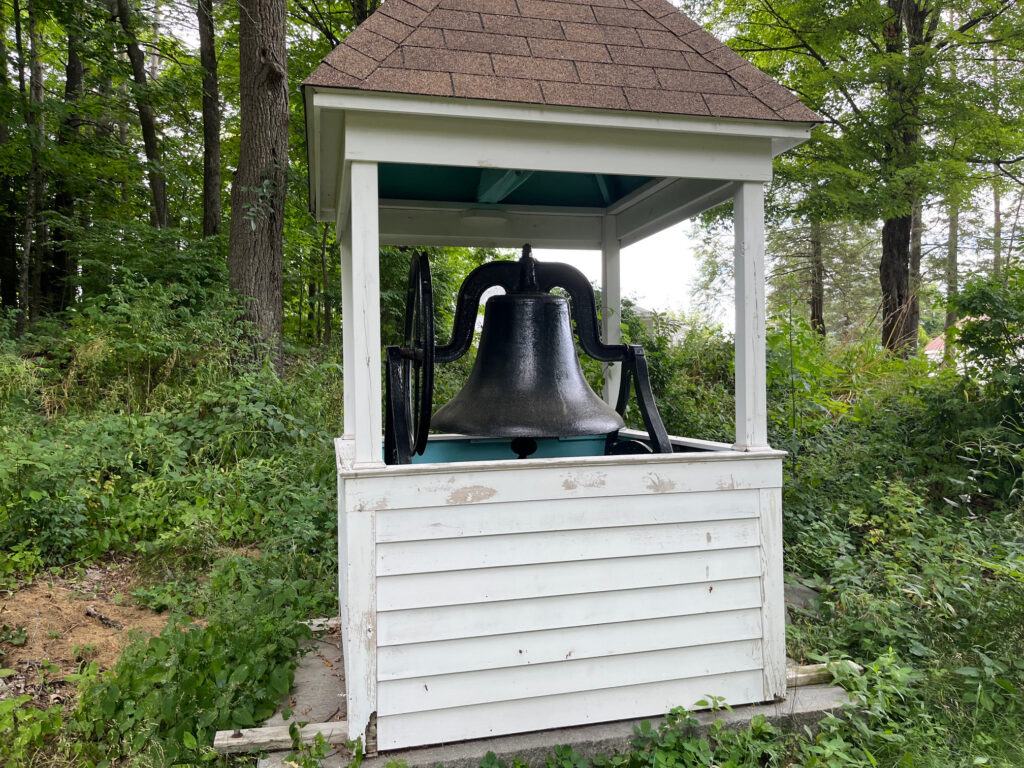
column 527, row 380
column 526, row 383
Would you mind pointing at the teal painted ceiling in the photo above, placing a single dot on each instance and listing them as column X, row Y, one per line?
column 474, row 185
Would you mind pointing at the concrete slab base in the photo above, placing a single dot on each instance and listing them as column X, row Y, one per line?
column 803, row 706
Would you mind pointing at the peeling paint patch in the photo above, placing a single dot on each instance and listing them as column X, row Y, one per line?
column 658, row 484
column 584, row 480
column 470, row 494
column 727, row 484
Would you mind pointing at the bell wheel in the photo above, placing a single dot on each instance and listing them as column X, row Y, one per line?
column 418, row 350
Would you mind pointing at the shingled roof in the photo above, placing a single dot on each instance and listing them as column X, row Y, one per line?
column 635, row 55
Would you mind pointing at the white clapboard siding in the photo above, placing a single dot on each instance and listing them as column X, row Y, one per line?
column 567, row 514
column 422, row 625
column 420, row 694
column 484, row 585
column 559, row 546
column 396, row 662
column 556, row 479
column 595, row 706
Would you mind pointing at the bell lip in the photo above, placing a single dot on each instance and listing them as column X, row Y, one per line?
column 593, row 428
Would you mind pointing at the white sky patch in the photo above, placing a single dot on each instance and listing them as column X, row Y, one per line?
column 658, row 273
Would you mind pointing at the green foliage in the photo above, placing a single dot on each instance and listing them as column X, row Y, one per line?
column 25, row 729
column 168, row 695
column 991, row 338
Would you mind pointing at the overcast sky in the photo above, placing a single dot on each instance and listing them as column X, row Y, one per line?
column 658, row 273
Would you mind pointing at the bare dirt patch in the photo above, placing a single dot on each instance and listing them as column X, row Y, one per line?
column 54, row 626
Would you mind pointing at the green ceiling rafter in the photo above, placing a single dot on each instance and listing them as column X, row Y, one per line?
column 495, row 184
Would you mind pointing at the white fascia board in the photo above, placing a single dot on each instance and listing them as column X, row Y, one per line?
column 560, row 147
column 370, row 101
column 413, row 223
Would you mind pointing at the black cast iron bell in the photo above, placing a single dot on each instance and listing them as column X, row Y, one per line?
column 526, row 380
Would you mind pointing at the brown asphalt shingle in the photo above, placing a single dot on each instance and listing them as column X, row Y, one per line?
column 636, row 55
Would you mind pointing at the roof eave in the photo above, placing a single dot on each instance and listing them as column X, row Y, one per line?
column 785, row 134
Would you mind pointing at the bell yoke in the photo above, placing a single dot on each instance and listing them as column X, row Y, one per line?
column 526, row 383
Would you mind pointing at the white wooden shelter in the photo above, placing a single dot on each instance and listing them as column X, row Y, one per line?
column 491, row 597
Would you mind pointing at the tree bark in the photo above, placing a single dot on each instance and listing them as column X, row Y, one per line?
column 211, row 119
column 817, row 281
column 894, row 276
column 997, row 228
column 258, row 189
column 905, row 33
column 64, row 268
column 159, row 214
column 914, row 275
column 952, row 265
column 8, row 199
column 32, row 102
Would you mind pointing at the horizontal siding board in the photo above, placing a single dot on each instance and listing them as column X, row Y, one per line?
column 399, row 488
column 563, row 514
column 421, row 694
column 560, row 546
column 483, row 585
column 596, row 706
column 484, row 619
column 396, row 662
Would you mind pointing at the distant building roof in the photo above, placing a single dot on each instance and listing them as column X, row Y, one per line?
column 631, row 55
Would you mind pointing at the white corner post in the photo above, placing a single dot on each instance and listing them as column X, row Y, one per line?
column 611, row 303
column 361, row 317
column 751, row 377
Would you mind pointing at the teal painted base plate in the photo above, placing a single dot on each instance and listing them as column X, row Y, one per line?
column 443, row 449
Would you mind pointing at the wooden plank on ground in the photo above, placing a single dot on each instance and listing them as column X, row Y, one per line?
column 277, row 737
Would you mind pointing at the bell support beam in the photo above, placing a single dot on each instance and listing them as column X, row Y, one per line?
column 611, row 304
column 748, row 255
column 361, row 317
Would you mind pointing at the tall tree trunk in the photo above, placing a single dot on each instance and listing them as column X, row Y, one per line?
column 817, row 281
column 311, row 310
column 914, row 275
column 159, row 215
column 258, row 189
column 952, row 264
column 894, row 276
column 997, row 227
column 909, row 24
column 211, row 119
column 64, row 199
column 8, row 199
column 327, row 300
column 32, row 102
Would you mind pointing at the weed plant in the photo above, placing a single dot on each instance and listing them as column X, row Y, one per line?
column 144, row 423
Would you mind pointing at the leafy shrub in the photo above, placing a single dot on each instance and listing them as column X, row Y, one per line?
column 167, row 696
